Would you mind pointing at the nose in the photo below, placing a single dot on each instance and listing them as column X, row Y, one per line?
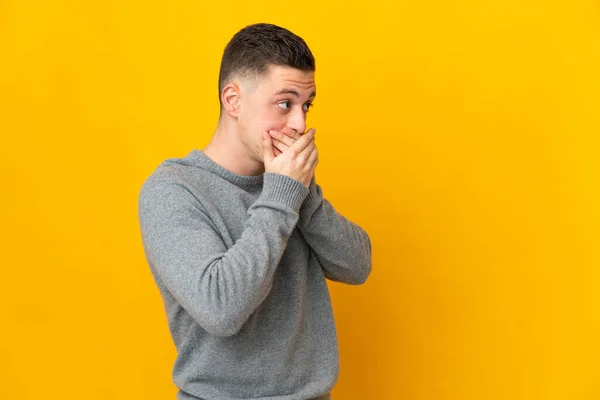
column 297, row 120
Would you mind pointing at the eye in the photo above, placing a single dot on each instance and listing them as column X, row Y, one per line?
column 284, row 104
column 307, row 106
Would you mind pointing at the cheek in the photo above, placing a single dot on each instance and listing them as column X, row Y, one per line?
column 260, row 119
column 251, row 123
column 272, row 119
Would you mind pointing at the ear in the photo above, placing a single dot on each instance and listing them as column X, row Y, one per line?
column 230, row 97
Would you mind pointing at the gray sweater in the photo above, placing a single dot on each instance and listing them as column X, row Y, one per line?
column 240, row 262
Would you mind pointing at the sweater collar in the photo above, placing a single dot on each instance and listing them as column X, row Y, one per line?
column 199, row 159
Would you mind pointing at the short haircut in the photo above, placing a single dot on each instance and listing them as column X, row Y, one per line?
column 253, row 49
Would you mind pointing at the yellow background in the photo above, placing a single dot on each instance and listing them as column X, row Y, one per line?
column 462, row 135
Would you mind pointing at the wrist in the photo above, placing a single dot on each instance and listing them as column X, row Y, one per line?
column 284, row 189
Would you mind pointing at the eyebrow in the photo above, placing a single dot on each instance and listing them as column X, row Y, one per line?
column 295, row 93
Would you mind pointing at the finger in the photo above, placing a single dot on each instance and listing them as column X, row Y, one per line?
column 304, row 141
column 280, row 136
column 308, row 149
column 281, row 147
column 291, row 132
column 313, row 158
column 267, row 143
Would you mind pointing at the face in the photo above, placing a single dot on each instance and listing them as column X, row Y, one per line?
column 282, row 98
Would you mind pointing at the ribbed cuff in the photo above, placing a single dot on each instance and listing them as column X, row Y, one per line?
column 281, row 188
column 313, row 194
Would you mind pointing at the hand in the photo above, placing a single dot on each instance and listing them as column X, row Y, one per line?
column 283, row 139
column 298, row 160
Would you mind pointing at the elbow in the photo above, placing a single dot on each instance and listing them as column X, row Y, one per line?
column 357, row 275
column 363, row 268
column 222, row 324
column 362, row 273
column 351, row 271
column 221, row 332
column 367, row 264
column 226, row 329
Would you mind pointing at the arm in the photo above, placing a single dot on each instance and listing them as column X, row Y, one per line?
column 218, row 287
column 342, row 247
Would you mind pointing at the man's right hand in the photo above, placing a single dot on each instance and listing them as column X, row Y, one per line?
column 298, row 161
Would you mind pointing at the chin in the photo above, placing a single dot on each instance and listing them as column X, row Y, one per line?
column 258, row 155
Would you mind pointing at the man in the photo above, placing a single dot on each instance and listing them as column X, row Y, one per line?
column 239, row 238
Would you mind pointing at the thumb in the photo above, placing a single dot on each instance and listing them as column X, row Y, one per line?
column 268, row 154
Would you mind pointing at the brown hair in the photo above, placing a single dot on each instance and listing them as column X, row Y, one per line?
column 253, row 49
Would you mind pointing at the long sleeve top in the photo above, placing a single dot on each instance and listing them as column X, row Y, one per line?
column 241, row 263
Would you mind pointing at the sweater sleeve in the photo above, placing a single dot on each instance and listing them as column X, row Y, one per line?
column 219, row 287
column 342, row 247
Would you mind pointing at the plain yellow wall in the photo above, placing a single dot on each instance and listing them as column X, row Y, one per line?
column 462, row 135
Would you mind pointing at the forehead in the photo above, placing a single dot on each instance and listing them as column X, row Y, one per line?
column 279, row 77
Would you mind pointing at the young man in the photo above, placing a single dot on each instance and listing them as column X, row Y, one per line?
column 239, row 238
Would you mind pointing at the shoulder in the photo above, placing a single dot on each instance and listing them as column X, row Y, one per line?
column 165, row 177
column 172, row 185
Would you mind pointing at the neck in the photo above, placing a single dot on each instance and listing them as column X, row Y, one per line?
column 226, row 149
